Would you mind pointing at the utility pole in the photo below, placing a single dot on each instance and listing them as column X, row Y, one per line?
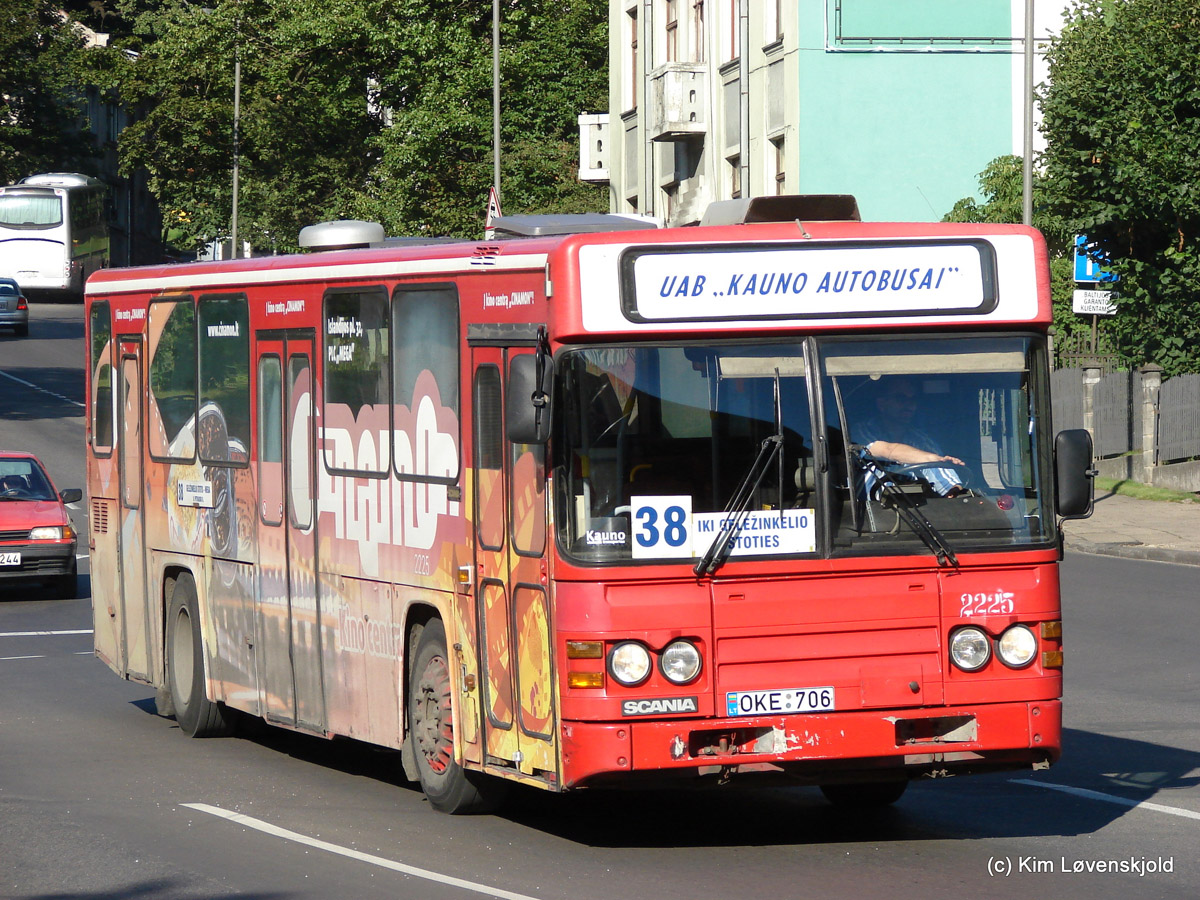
column 1027, row 164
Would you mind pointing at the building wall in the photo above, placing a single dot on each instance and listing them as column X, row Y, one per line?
column 900, row 104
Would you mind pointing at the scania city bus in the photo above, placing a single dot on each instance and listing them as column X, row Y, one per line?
column 594, row 505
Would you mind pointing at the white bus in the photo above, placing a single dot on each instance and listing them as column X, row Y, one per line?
column 53, row 232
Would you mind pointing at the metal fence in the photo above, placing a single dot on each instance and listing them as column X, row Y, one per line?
column 1142, row 427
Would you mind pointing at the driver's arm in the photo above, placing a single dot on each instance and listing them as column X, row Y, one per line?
column 907, row 454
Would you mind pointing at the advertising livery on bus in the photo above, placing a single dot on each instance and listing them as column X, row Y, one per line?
column 602, row 508
column 53, row 232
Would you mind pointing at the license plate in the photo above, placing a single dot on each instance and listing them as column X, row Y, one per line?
column 10, row 559
column 782, row 701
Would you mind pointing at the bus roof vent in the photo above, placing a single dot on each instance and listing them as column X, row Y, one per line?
column 60, row 179
column 784, row 208
column 577, row 223
column 345, row 234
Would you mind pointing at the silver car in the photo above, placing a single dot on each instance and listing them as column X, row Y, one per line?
column 14, row 308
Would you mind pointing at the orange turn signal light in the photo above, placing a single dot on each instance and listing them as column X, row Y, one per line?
column 1052, row 659
column 1052, row 629
column 585, row 650
column 585, row 679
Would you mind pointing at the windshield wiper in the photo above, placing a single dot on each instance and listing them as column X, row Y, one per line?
column 739, row 504
column 911, row 514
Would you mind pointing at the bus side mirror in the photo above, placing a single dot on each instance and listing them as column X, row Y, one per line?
column 527, row 406
column 1074, row 473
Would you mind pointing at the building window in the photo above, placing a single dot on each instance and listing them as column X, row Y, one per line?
column 698, row 30
column 672, row 19
column 631, row 89
column 778, row 163
column 735, row 176
column 735, row 31
column 773, row 22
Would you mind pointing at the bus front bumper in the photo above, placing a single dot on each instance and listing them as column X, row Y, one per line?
column 818, row 748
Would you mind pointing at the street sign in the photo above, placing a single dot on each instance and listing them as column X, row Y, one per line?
column 1090, row 262
column 1094, row 303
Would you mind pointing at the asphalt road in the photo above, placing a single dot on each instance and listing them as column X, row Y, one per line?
column 102, row 798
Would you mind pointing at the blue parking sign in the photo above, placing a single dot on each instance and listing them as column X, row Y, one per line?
column 1090, row 262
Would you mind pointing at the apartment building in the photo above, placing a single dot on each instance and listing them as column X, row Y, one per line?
column 899, row 102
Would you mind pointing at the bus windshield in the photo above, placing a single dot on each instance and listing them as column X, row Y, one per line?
column 929, row 445
column 40, row 210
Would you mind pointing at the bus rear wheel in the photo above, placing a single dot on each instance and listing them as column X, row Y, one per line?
column 868, row 795
column 196, row 714
column 448, row 787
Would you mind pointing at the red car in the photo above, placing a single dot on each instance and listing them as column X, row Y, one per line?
column 37, row 540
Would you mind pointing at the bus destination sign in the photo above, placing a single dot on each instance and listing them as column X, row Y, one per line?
column 788, row 282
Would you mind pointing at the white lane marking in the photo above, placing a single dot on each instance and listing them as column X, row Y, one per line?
column 1111, row 798
column 42, row 389
column 383, row 863
column 10, row 658
column 4, row 634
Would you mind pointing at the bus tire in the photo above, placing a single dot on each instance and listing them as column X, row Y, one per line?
column 197, row 715
column 448, row 787
column 867, row 795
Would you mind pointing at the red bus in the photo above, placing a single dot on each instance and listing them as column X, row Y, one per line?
column 597, row 508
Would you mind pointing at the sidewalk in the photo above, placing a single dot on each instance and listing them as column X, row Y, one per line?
column 1138, row 529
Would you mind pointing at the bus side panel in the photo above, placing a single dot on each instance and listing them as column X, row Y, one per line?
column 362, row 651
column 107, row 617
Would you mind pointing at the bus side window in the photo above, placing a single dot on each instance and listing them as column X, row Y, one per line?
column 100, row 327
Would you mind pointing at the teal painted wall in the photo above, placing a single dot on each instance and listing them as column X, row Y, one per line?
column 907, row 133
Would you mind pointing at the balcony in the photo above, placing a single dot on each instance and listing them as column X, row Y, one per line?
column 678, row 102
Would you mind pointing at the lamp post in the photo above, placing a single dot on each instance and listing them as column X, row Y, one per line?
column 237, row 110
column 496, row 97
column 1027, row 163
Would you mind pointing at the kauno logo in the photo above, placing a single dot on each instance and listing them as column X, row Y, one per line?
column 659, row 706
column 604, row 538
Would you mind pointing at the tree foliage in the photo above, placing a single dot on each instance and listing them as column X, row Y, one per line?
column 1121, row 115
column 1002, row 186
column 354, row 108
column 38, row 91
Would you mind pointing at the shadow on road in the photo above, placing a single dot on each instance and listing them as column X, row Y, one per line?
column 40, row 393
column 988, row 806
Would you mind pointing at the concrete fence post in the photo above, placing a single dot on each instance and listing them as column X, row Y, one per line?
column 1148, row 457
column 1091, row 376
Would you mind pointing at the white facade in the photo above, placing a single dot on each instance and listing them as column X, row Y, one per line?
column 682, row 130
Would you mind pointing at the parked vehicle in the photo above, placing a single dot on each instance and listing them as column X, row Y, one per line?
column 37, row 540
column 14, row 308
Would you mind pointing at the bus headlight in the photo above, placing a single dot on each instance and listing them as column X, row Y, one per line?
column 970, row 648
column 629, row 663
column 680, row 662
column 1017, row 647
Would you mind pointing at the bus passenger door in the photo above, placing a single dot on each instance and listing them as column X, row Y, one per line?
column 513, row 613
column 288, row 658
column 131, row 540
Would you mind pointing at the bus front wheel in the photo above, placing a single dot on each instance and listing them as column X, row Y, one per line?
column 448, row 787
column 196, row 714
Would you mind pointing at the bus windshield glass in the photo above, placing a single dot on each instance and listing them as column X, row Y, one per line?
column 897, row 446
column 41, row 210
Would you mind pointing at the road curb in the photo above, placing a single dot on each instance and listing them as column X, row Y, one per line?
column 1136, row 551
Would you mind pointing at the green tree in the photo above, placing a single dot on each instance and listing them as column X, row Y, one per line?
column 38, row 92
column 354, row 108
column 1002, row 187
column 437, row 162
column 1121, row 115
